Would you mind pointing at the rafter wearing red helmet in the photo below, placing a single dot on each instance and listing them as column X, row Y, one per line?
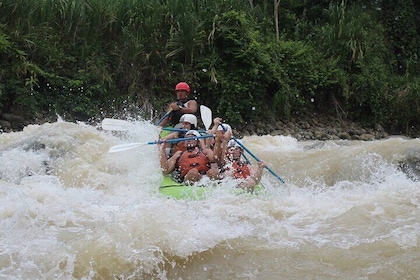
column 181, row 106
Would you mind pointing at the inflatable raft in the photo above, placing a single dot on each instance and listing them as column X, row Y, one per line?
column 173, row 189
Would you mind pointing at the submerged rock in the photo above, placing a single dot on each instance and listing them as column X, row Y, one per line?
column 411, row 165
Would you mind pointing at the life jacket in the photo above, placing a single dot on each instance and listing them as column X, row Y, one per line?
column 240, row 170
column 193, row 159
column 179, row 146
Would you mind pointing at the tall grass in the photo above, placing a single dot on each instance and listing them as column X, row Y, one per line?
column 86, row 55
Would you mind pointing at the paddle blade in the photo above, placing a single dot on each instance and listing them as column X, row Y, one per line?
column 266, row 184
column 125, row 147
column 114, row 124
column 206, row 116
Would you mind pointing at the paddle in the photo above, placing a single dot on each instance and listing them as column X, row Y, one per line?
column 114, row 124
column 129, row 146
column 257, row 159
column 164, row 117
column 264, row 182
column 121, row 125
column 206, row 116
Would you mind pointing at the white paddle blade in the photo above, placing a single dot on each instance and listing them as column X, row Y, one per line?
column 114, row 124
column 125, row 147
column 206, row 116
column 267, row 185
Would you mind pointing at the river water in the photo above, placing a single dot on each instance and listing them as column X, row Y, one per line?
column 71, row 210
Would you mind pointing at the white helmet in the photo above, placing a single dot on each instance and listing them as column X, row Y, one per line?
column 234, row 143
column 189, row 118
column 193, row 132
column 224, row 127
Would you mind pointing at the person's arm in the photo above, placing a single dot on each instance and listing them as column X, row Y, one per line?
column 190, row 107
column 167, row 165
column 209, row 141
column 251, row 181
column 219, row 149
column 256, row 173
column 216, row 122
column 210, row 155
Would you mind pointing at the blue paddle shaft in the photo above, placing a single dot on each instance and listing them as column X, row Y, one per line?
column 257, row 159
column 180, row 139
column 164, row 117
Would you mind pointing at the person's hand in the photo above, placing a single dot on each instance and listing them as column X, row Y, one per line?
column 217, row 121
column 161, row 147
column 160, row 144
column 174, row 107
column 261, row 164
column 227, row 135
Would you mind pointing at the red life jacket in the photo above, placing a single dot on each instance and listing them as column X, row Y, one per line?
column 193, row 159
column 240, row 170
column 180, row 146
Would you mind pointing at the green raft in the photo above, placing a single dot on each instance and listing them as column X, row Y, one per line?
column 173, row 189
column 170, row 188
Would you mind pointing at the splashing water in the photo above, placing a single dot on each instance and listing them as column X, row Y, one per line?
column 71, row 210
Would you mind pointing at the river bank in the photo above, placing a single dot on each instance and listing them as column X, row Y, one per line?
column 318, row 127
column 309, row 127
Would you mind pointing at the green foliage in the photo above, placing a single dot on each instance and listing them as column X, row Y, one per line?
column 403, row 105
column 17, row 75
column 399, row 18
column 240, row 70
column 356, row 41
column 98, row 57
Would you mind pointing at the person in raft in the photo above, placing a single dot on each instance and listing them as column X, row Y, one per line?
column 225, row 132
column 232, row 166
column 190, row 165
column 181, row 106
column 189, row 122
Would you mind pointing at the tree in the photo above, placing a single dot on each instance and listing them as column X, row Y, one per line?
column 399, row 19
column 276, row 18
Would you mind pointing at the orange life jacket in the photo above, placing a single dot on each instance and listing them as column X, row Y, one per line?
column 240, row 170
column 180, row 146
column 193, row 159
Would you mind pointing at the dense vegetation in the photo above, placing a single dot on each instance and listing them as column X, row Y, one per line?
column 247, row 60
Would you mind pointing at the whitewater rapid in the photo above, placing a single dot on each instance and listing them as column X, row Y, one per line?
column 71, row 210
